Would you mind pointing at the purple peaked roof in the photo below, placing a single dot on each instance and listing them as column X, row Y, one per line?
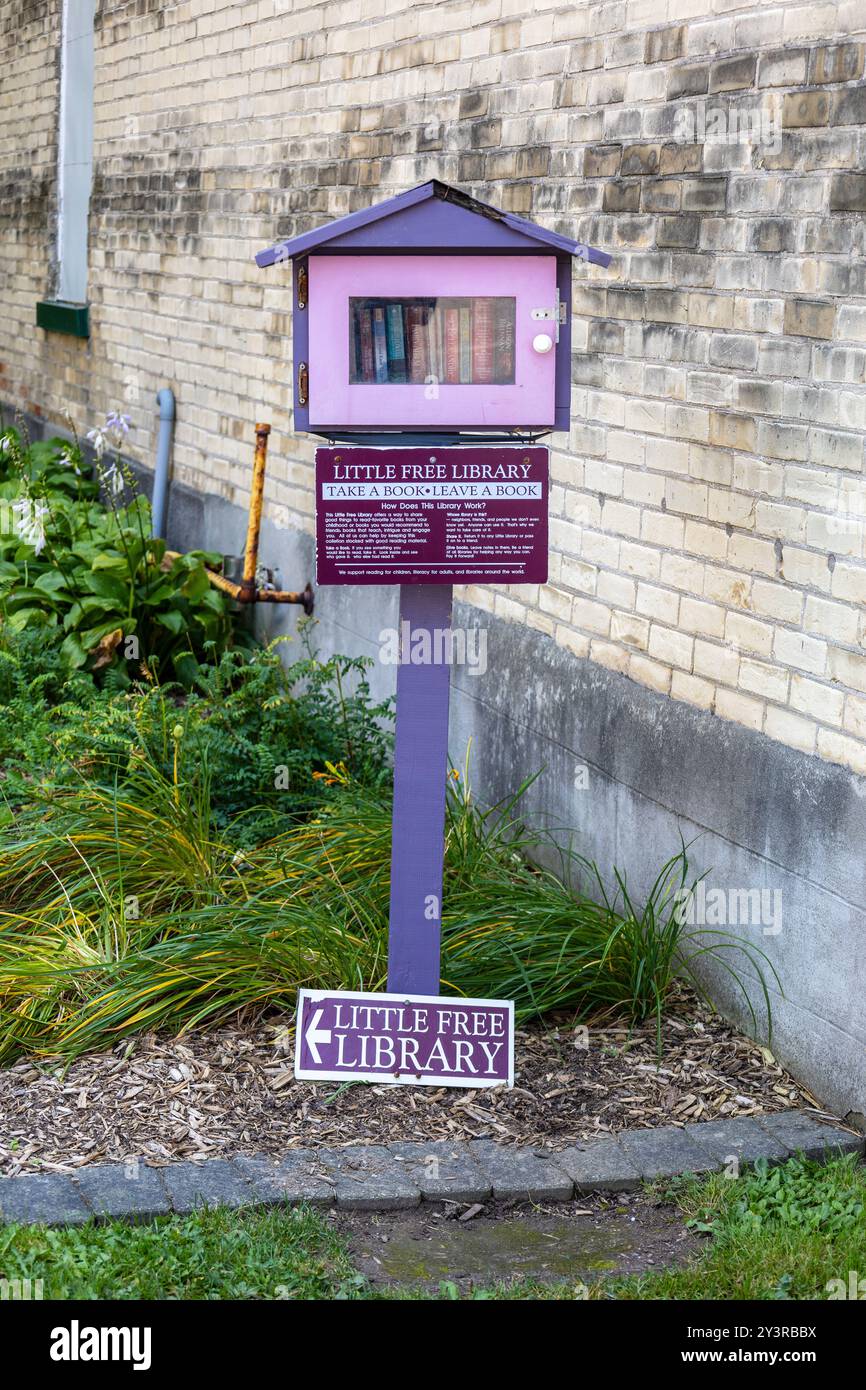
column 432, row 217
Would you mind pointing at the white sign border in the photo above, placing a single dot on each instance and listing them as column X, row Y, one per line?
column 381, row 1078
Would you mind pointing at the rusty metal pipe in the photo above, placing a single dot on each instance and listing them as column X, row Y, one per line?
column 227, row 586
column 246, row 591
column 305, row 597
column 287, row 596
column 257, row 492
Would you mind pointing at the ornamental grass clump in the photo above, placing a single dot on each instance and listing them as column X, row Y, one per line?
column 123, row 910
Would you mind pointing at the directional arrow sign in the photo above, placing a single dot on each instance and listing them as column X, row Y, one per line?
column 315, row 1035
column 407, row 1039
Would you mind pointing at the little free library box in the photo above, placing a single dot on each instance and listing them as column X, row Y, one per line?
column 431, row 310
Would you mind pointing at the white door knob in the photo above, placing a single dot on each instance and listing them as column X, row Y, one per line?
column 542, row 342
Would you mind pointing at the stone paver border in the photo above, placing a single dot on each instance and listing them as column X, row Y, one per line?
column 389, row 1177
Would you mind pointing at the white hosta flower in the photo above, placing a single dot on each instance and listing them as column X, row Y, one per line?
column 28, row 522
column 111, row 435
column 67, row 459
column 99, row 440
column 113, row 478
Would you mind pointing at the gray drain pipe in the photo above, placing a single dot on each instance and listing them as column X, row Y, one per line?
column 159, row 503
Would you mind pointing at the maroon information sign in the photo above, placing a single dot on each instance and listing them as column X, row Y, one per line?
column 455, row 515
column 412, row 1039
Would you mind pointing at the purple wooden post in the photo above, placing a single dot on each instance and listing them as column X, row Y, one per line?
column 420, row 773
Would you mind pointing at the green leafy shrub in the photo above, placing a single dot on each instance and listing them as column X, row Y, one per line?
column 39, row 699
column 95, row 576
column 46, row 467
column 260, row 735
column 268, row 733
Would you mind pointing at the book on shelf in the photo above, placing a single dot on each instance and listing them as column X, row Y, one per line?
column 503, row 341
column 454, row 340
column 366, row 345
column 452, row 345
column 482, row 341
column 465, row 343
column 380, row 343
column 417, row 343
column 396, row 342
column 434, row 345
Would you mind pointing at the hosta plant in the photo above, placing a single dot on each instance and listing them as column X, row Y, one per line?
column 89, row 569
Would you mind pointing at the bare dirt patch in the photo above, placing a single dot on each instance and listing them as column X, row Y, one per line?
column 231, row 1091
column 575, row 1242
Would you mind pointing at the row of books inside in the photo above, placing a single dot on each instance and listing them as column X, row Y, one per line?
column 466, row 341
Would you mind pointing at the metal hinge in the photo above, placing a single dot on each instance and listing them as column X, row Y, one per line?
column 303, row 295
column 303, row 383
column 557, row 315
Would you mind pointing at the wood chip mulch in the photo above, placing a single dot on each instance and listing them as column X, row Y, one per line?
column 231, row 1091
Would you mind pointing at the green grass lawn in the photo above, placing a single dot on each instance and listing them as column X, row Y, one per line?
column 778, row 1233
column 775, row 1233
column 268, row 1253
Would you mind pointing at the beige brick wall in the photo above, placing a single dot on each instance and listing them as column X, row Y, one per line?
column 708, row 506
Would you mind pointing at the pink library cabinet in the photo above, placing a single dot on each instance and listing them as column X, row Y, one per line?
column 431, row 312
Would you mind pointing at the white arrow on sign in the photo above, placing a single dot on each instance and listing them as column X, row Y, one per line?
column 315, row 1035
